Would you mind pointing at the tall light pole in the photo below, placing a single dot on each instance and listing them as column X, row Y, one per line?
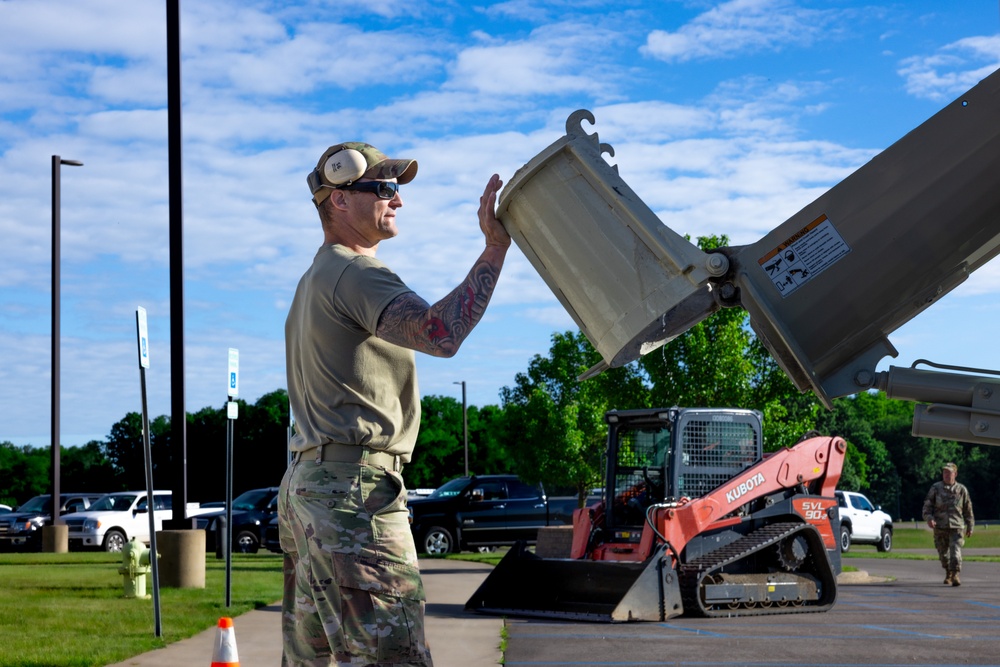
column 178, row 416
column 465, row 426
column 57, row 163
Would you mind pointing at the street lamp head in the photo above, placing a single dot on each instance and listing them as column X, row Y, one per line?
column 71, row 163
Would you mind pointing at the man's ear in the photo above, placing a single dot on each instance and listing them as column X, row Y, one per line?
column 338, row 199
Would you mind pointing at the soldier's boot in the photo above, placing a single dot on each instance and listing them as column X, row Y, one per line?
column 949, row 578
column 955, row 581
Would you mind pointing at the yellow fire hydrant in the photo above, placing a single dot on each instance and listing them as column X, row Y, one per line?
column 136, row 558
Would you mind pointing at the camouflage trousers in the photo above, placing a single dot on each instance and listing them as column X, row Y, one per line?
column 949, row 543
column 352, row 593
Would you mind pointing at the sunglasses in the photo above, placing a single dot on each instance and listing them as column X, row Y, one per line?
column 382, row 189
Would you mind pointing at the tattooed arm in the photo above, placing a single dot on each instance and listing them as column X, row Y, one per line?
column 439, row 330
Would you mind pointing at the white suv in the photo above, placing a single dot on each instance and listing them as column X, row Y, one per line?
column 863, row 523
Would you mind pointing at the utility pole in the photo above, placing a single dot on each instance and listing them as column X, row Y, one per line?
column 465, row 426
column 178, row 417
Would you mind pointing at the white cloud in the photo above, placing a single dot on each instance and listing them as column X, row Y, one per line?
column 389, row 9
column 93, row 27
column 736, row 170
column 740, row 27
column 557, row 59
column 953, row 69
column 142, row 83
column 285, row 61
column 655, row 121
column 465, row 90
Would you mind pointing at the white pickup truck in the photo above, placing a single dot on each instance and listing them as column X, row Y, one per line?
column 115, row 518
column 862, row 523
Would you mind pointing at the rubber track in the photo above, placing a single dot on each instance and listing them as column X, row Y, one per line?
column 692, row 574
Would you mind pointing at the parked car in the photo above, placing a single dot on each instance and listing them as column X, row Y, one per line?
column 477, row 512
column 115, row 518
column 474, row 513
column 214, row 504
column 252, row 510
column 22, row 529
column 862, row 523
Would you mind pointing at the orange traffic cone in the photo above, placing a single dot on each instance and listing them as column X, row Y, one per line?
column 224, row 654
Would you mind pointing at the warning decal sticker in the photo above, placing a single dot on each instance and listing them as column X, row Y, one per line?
column 804, row 256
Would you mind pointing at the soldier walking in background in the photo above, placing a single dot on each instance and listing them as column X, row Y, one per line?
column 948, row 511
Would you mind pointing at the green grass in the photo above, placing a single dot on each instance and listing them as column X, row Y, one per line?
column 984, row 537
column 490, row 558
column 504, row 640
column 68, row 609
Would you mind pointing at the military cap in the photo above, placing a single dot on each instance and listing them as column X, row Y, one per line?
column 950, row 466
column 345, row 163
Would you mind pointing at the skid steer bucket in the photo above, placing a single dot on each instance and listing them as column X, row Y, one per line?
column 523, row 584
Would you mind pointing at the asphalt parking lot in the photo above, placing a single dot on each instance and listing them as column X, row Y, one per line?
column 911, row 619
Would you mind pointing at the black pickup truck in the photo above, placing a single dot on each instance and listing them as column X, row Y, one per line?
column 483, row 511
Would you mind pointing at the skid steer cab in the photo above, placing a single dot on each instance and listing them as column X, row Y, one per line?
column 694, row 520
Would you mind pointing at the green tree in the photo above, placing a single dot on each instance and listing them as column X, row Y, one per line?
column 788, row 413
column 86, row 469
column 720, row 363
column 867, row 457
column 439, row 453
column 893, row 467
column 979, row 470
column 206, row 435
column 124, row 449
column 555, row 424
column 488, row 452
column 261, row 437
column 24, row 472
column 260, row 446
column 895, row 480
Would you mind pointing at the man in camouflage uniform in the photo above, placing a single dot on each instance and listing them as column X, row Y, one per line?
column 948, row 511
column 353, row 593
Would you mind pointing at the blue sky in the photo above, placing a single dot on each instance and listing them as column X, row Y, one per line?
column 725, row 117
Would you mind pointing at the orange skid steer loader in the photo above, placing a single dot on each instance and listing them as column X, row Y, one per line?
column 694, row 520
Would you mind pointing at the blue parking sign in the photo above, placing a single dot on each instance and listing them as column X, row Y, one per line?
column 234, row 370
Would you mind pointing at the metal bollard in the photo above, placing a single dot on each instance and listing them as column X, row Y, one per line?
column 220, row 537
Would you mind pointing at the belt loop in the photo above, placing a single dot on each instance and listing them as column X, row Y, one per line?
column 396, row 465
column 319, row 455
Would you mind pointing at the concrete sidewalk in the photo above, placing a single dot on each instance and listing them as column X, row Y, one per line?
column 457, row 639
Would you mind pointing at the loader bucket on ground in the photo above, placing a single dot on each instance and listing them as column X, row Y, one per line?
column 523, row 584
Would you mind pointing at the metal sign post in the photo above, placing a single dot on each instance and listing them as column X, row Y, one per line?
column 143, row 340
column 231, row 414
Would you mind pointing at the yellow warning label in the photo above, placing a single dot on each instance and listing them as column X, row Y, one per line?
column 804, row 255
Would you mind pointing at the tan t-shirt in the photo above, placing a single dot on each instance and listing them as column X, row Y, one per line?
column 345, row 385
